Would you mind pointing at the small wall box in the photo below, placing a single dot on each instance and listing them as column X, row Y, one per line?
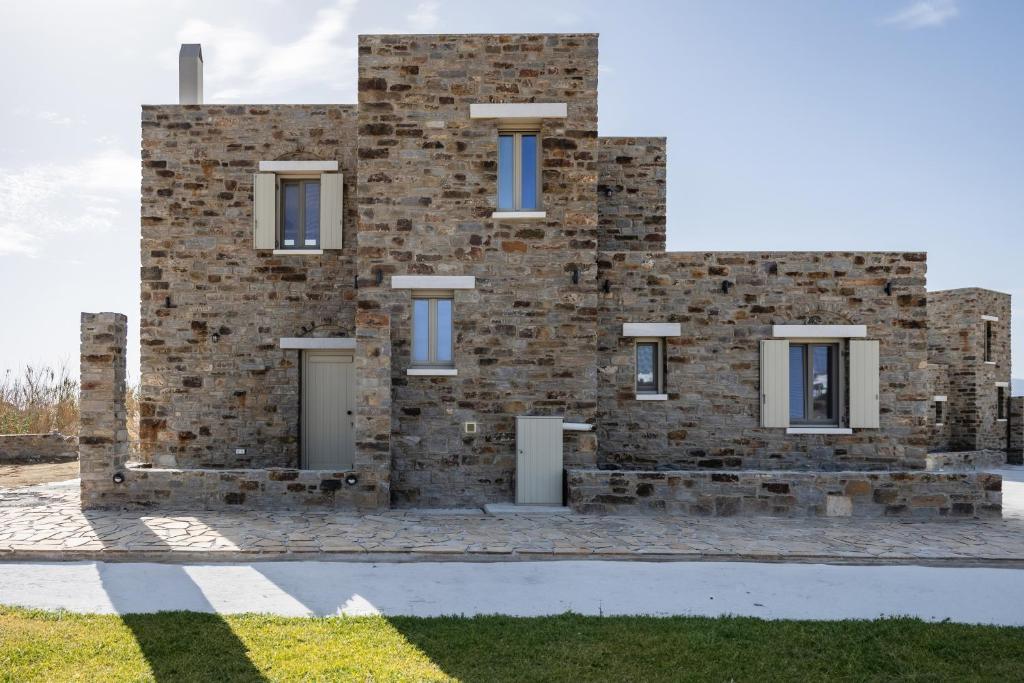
column 469, row 427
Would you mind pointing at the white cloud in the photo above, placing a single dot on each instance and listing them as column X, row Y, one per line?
column 424, row 19
column 244, row 65
column 41, row 201
column 925, row 14
column 54, row 118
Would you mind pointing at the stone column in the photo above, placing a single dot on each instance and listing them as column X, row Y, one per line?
column 373, row 406
column 103, row 428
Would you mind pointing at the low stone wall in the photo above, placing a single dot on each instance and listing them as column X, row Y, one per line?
column 909, row 494
column 210, row 489
column 965, row 460
column 33, row 448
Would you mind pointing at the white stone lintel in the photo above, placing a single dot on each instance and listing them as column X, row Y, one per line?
column 940, row 398
column 433, row 282
column 819, row 331
column 1002, row 384
column 298, row 167
column 524, row 110
column 990, row 318
column 323, row 343
column 651, row 330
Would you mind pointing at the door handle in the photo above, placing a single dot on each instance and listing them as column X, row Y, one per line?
column 349, row 412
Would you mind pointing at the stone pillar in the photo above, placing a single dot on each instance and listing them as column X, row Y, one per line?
column 373, row 407
column 103, row 428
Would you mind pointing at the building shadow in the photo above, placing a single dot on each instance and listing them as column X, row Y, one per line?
column 177, row 629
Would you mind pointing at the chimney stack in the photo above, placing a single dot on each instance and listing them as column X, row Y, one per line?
column 190, row 74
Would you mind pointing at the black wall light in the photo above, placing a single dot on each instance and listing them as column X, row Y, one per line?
column 216, row 337
column 378, row 277
column 118, row 477
column 351, row 480
column 888, row 288
column 608, row 192
column 575, row 276
column 606, row 287
column 726, row 286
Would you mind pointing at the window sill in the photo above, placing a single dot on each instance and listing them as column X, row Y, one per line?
column 298, row 252
column 940, row 424
column 819, row 430
column 1000, row 419
column 989, row 362
column 519, row 215
column 432, row 372
column 652, row 397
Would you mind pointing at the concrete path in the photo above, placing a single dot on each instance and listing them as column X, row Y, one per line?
column 771, row 591
column 45, row 523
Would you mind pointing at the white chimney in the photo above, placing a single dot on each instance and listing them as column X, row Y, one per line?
column 190, row 74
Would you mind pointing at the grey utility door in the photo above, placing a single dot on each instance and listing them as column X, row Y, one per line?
column 539, row 460
column 328, row 410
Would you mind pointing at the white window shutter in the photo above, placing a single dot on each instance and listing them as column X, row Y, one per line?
column 774, row 383
column 864, row 383
column 264, row 211
column 331, row 210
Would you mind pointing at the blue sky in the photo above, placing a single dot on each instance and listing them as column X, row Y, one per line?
column 870, row 125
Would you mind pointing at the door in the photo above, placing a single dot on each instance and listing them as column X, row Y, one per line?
column 328, row 410
column 539, row 460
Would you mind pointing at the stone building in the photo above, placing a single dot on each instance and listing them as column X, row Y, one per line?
column 455, row 292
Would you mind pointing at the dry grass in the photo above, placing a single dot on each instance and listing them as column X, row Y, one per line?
column 39, row 400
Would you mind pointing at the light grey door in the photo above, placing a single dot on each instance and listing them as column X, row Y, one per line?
column 539, row 460
column 328, row 410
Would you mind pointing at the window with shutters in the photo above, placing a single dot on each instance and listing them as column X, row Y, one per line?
column 298, row 207
column 299, row 219
column 814, row 384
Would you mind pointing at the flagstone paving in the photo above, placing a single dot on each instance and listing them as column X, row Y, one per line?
column 45, row 523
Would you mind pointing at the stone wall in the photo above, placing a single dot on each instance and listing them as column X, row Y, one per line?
column 29, row 448
column 915, row 495
column 712, row 416
column 956, row 338
column 631, row 194
column 103, row 420
column 965, row 460
column 214, row 308
column 427, row 189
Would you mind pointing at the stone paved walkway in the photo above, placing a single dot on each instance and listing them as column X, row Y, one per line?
column 45, row 523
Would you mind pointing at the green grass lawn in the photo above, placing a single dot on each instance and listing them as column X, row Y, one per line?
column 184, row 646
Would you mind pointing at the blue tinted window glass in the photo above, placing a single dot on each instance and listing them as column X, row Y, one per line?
column 506, row 172
column 528, row 164
column 312, row 236
column 444, row 330
column 290, row 214
column 420, row 330
column 821, row 384
column 645, row 370
column 796, row 382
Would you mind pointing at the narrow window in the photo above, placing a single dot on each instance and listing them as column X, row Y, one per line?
column 813, row 384
column 940, row 417
column 518, row 171
column 648, row 367
column 300, row 214
column 988, row 341
column 1001, row 403
column 432, row 336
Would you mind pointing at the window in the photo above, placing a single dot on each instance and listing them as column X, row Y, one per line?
column 432, row 331
column 940, row 414
column 988, row 341
column 518, row 171
column 814, row 384
column 1000, row 403
column 648, row 367
column 299, row 222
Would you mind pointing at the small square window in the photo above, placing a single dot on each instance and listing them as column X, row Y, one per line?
column 519, row 179
column 299, row 220
column 940, row 412
column 649, row 367
column 433, row 331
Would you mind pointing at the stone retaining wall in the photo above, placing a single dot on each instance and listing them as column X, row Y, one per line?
column 204, row 489
column 31, row 448
column 915, row 495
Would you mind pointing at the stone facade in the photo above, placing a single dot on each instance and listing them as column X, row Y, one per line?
column 956, row 339
column 965, row 460
column 712, row 416
column 631, row 185
column 538, row 334
column 28, row 448
column 103, row 420
column 914, row 495
column 214, row 308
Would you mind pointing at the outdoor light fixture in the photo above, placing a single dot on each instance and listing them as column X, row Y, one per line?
column 606, row 287
column 216, row 337
column 118, row 477
column 351, row 480
column 888, row 288
column 378, row 277
column 355, row 282
column 575, row 276
column 726, row 286
column 608, row 192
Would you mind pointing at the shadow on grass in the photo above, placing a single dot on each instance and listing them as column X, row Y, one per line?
column 190, row 646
